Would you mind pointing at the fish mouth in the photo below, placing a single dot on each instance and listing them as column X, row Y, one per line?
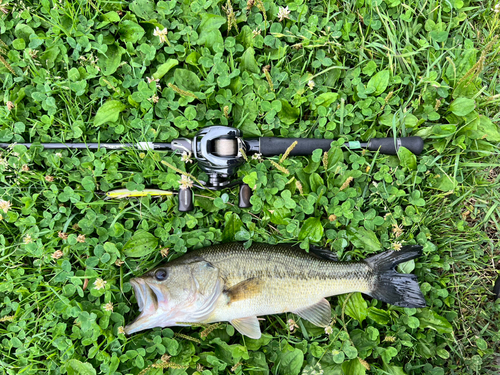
column 148, row 300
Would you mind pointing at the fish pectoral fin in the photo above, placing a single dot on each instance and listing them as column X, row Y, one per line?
column 248, row 326
column 319, row 314
column 244, row 290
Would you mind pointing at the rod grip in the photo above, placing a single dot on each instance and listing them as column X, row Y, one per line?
column 390, row 146
column 270, row 146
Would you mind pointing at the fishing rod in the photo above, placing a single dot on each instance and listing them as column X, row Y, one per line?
column 220, row 150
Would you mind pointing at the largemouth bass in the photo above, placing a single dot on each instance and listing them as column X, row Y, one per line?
column 226, row 283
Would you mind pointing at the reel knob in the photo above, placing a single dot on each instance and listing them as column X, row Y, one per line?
column 245, row 195
column 186, row 200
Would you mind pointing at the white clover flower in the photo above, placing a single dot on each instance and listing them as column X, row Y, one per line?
column 5, row 206
column 154, row 80
column 397, row 246
column 185, row 182
column 154, row 98
column 99, row 283
column 108, row 306
column 496, row 9
column 162, row 34
column 57, row 254
column 292, row 325
column 186, row 157
column 257, row 156
column 121, row 330
column 328, row 330
column 256, row 32
column 311, row 84
column 283, row 13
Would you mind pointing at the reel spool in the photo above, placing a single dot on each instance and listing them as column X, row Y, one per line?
column 226, row 147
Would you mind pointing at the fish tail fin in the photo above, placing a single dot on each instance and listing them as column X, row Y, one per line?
column 392, row 287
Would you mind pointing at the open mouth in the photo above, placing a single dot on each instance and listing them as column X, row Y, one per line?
column 147, row 297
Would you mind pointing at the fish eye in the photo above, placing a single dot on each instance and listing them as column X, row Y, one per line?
column 161, row 274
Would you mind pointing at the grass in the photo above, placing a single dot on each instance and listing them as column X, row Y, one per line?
column 78, row 71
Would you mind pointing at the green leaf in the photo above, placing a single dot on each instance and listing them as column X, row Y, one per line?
column 356, row 306
column 257, row 363
column 19, row 44
column 379, row 82
column 378, row 315
column 387, row 353
column 488, row 129
column 311, row 229
column 232, row 226
column 364, row 239
column 186, row 80
column 112, row 60
column 141, row 244
column 111, row 16
column 326, row 99
column 253, row 344
column 130, row 31
column 370, row 68
column 164, row 68
column 209, row 23
column 290, row 362
column 407, row 158
column 416, row 200
column 462, row 106
column 88, row 183
column 315, row 181
column 75, row 367
column 109, row 111
column 444, row 183
column 353, row 367
column 288, row 114
column 393, row 370
column 431, row 319
column 439, row 36
column 406, row 267
column 248, row 62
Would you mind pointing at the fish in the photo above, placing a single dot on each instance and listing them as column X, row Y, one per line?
column 228, row 283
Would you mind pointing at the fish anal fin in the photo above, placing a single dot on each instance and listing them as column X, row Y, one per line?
column 245, row 289
column 319, row 314
column 248, row 326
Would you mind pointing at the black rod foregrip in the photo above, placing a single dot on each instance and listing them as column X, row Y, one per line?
column 390, row 146
column 270, row 146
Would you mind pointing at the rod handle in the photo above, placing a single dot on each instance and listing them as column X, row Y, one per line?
column 270, row 146
column 389, row 146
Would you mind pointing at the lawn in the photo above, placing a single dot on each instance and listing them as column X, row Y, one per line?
column 144, row 71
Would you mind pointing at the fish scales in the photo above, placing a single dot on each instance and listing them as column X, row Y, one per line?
column 291, row 278
column 230, row 283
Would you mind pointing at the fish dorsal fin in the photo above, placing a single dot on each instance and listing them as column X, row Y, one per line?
column 319, row 314
column 323, row 253
column 248, row 326
column 245, row 289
